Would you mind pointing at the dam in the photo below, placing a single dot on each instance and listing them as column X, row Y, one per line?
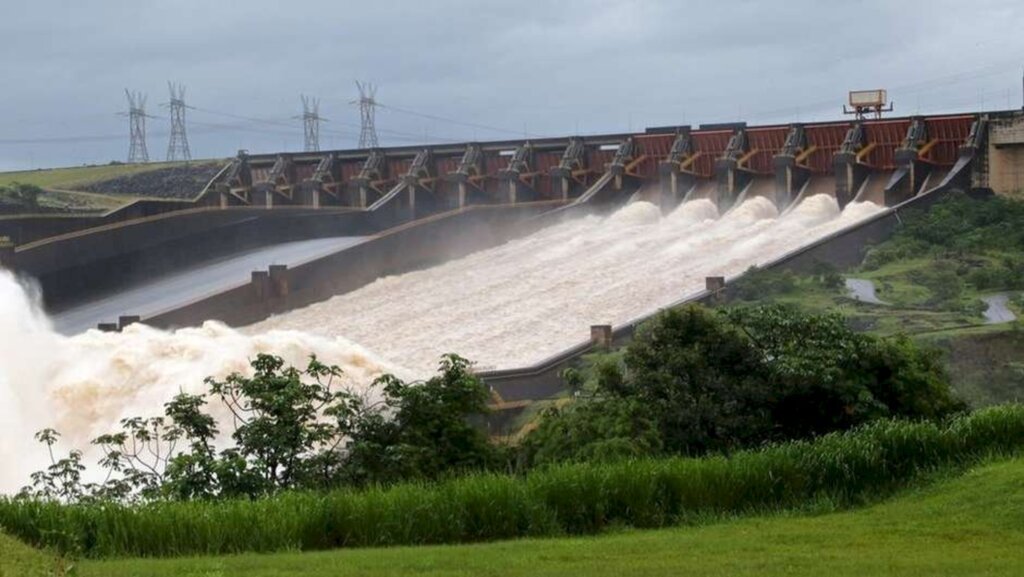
column 506, row 253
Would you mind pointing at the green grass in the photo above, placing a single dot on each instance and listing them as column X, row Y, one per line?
column 72, row 177
column 18, row 559
column 843, row 469
column 968, row 525
column 62, row 185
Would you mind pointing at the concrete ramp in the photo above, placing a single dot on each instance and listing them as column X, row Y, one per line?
column 704, row 190
column 818, row 184
column 598, row 191
column 961, row 171
column 874, row 186
column 763, row 186
column 388, row 198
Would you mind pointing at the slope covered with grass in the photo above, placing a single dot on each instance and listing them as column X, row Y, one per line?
column 75, row 177
column 932, row 277
column 18, row 559
column 968, row 525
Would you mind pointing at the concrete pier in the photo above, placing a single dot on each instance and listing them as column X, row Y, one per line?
column 601, row 336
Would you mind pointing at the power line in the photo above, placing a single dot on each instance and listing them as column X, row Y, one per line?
column 285, row 123
column 274, row 121
column 458, row 122
column 177, row 146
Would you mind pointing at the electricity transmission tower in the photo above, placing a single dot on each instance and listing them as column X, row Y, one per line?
column 177, row 148
column 137, row 126
column 367, row 106
column 311, row 122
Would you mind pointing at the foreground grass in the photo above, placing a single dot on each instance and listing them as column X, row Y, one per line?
column 971, row 525
column 18, row 559
column 842, row 469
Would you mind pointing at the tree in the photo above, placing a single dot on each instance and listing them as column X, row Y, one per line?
column 700, row 377
column 291, row 430
column 277, row 417
column 715, row 381
column 597, row 430
column 426, row 432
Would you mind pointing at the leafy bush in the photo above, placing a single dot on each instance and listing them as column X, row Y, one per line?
column 291, row 430
column 21, row 195
column 959, row 223
column 844, row 468
column 1006, row 274
column 695, row 380
column 760, row 283
column 900, row 247
column 943, row 281
column 827, row 275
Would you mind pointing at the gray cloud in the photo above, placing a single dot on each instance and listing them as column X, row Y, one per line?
column 548, row 67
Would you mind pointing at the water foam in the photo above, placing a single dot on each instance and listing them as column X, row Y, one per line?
column 515, row 304
column 508, row 306
column 83, row 385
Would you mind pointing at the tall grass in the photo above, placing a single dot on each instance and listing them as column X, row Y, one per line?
column 843, row 468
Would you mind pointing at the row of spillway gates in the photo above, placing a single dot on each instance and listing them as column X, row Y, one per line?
column 887, row 161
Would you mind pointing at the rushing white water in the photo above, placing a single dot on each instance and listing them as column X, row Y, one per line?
column 83, row 385
column 520, row 302
column 508, row 306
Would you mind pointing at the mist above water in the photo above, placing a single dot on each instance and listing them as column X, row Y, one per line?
column 508, row 306
column 83, row 385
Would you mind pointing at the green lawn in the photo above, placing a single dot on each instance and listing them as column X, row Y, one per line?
column 72, row 177
column 968, row 525
column 17, row 560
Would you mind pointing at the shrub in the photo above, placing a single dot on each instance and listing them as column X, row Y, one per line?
column 760, row 283
column 695, row 380
column 845, row 468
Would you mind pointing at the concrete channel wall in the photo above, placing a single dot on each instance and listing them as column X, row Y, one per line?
column 23, row 229
column 72, row 267
column 418, row 244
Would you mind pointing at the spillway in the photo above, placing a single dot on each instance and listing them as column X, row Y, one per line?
column 518, row 303
column 509, row 306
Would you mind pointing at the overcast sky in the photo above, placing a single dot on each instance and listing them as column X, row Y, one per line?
column 499, row 68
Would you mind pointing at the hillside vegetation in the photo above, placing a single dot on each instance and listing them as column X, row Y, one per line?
column 842, row 469
column 932, row 276
column 969, row 525
column 75, row 177
column 98, row 189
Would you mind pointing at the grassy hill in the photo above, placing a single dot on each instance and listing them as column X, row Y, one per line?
column 75, row 177
column 967, row 525
column 82, row 189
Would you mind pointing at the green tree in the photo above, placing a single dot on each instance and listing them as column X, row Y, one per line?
column 277, row 412
column 426, row 431
column 292, row 429
column 715, row 381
